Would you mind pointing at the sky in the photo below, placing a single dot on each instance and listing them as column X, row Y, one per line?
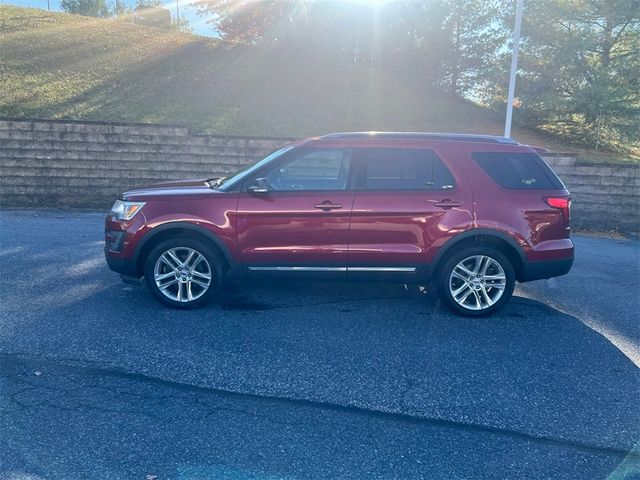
column 187, row 10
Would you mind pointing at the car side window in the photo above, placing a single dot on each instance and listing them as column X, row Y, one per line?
column 518, row 171
column 405, row 169
column 321, row 169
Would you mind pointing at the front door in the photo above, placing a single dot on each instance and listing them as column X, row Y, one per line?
column 295, row 214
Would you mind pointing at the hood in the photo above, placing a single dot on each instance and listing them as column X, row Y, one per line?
column 166, row 190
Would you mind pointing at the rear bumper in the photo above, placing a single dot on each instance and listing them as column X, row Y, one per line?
column 545, row 269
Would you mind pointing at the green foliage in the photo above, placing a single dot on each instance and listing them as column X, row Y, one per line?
column 580, row 69
column 122, row 11
column 88, row 8
column 443, row 42
column 64, row 66
column 252, row 22
column 182, row 25
column 110, row 70
column 472, row 39
column 149, row 3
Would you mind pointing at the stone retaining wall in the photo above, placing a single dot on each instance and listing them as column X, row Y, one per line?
column 605, row 197
column 74, row 164
column 47, row 163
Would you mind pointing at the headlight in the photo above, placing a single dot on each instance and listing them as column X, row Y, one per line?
column 125, row 210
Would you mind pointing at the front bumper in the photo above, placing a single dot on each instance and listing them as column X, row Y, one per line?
column 120, row 242
column 545, row 269
column 124, row 266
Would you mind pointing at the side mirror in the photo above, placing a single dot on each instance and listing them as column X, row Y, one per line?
column 259, row 187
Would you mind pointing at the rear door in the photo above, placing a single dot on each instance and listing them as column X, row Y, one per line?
column 302, row 222
column 406, row 204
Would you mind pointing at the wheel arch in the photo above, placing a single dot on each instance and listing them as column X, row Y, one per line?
column 482, row 236
column 174, row 229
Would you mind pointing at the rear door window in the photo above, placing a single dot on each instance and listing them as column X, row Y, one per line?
column 405, row 169
column 518, row 171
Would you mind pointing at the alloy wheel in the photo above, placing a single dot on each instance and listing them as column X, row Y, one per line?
column 477, row 282
column 182, row 274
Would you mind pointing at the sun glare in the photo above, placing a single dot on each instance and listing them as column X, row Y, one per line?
column 370, row 2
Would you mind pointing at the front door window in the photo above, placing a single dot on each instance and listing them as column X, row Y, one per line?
column 326, row 170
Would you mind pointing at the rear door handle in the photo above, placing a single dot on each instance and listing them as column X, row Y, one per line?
column 328, row 205
column 447, row 204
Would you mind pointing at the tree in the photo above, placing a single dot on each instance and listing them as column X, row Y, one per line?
column 89, row 8
column 120, row 9
column 414, row 35
column 149, row 3
column 181, row 24
column 471, row 37
column 254, row 22
column 580, row 68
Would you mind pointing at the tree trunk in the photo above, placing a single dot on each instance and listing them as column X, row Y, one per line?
column 607, row 40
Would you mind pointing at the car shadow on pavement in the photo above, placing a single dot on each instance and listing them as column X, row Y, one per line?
column 302, row 380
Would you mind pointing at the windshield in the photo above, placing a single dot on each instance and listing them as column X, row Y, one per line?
column 232, row 180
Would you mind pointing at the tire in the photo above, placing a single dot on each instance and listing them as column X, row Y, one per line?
column 465, row 289
column 179, row 284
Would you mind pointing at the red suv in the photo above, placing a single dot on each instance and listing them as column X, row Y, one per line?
column 469, row 213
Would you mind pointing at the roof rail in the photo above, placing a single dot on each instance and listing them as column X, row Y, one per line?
column 461, row 137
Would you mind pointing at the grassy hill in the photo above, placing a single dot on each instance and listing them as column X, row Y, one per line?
column 55, row 65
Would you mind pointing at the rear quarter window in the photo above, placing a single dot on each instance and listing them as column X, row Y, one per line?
column 518, row 171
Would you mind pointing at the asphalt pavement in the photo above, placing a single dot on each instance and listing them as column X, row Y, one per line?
column 308, row 380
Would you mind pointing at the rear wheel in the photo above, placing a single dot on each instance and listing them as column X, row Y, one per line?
column 183, row 272
column 476, row 281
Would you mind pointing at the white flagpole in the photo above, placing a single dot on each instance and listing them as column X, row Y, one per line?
column 514, row 68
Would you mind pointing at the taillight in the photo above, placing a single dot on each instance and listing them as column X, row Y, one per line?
column 561, row 203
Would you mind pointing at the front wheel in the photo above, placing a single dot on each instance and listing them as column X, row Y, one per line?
column 183, row 273
column 476, row 281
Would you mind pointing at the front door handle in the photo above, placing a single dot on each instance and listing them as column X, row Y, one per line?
column 328, row 205
column 447, row 204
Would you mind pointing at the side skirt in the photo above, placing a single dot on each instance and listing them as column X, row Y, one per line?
column 333, row 269
column 351, row 273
